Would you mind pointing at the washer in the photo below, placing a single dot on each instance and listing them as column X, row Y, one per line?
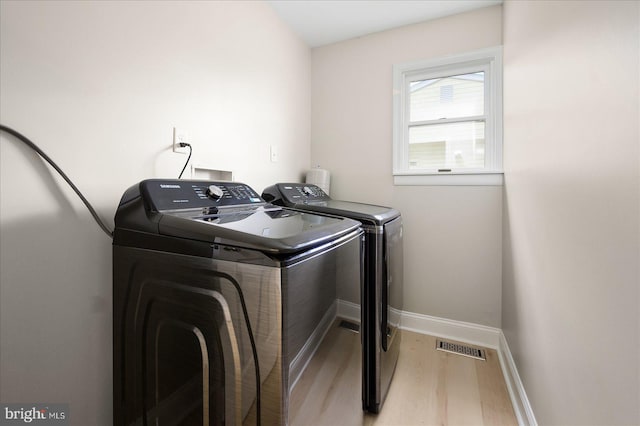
column 381, row 293
column 219, row 301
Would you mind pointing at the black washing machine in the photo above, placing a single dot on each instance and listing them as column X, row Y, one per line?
column 381, row 295
column 218, row 297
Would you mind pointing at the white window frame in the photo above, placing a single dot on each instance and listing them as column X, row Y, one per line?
column 488, row 60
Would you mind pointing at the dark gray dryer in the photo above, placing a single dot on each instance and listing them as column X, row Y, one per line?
column 381, row 295
column 217, row 299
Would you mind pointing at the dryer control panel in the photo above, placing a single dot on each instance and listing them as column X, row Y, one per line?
column 296, row 193
column 176, row 194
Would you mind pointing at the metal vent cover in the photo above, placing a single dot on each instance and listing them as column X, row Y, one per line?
column 457, row 348
column 350, row 326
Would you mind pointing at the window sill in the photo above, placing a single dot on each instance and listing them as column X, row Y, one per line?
column 458, row 179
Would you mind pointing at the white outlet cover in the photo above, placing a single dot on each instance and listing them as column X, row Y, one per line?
column 180, row 136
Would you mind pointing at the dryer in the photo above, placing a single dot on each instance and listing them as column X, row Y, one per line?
column 218, row 297
column 381, row 295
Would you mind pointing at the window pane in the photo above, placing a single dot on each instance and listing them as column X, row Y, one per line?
column 447, row 146
column 449, row 97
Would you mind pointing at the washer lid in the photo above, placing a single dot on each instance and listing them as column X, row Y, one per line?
column 368, row 213
column 227, row 213
column 306, row 196
column 266, row 228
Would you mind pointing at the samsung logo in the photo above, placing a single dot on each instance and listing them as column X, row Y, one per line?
column 171, row 186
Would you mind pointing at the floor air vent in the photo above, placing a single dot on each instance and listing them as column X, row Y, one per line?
column 350, row 326
column 456, row 348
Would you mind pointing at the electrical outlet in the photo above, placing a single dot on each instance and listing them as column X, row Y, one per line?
column 274, row 153
column 180, row 136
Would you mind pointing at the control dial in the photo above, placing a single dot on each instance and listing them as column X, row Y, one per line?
column 215, row 192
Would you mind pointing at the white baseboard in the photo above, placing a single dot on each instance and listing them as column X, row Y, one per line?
column 348, row 310
column 475, row 334
column 519, row 398
column 467, row 332
column 480, row 335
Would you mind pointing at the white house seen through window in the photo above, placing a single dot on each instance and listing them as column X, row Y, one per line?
column 447, row 116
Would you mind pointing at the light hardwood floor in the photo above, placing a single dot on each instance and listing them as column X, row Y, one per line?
column 429, row 387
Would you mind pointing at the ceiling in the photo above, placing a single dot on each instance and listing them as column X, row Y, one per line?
column 321, row 22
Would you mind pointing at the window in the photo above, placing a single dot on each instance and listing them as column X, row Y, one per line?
column 448, row 120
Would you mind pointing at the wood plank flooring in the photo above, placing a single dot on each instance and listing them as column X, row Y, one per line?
column 429, row 387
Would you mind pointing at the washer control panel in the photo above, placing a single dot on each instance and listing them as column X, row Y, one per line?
column 188, row 194
column 295, row 193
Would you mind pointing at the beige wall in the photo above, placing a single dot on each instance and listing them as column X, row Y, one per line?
column 452, row 240
column 571, row 210
column 99, row 85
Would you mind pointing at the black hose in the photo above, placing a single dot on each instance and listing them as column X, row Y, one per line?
column 41, row 153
